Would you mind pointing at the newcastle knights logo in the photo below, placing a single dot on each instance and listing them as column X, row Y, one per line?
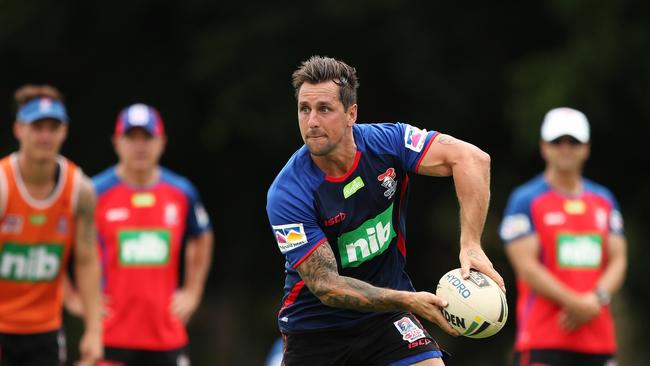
column 388, row 181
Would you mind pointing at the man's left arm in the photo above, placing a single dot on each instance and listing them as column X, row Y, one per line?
column 614, row 275
column 470, row 168
column 198, row 258
column 87, row 272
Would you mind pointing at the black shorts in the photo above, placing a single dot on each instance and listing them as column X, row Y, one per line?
column 137, row 357
column 391, row 340
column 37, row 349
column 558, row 357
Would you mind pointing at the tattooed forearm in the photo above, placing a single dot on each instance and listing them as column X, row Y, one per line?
column 351, row 293
column 320, row 274
column 319, row 270
column 85, row 235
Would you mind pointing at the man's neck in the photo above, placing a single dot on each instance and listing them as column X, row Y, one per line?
column 339, row 162
column 140, row 178
column 566, row 182
column 39, row 176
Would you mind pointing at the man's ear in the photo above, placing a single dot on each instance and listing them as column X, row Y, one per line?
column 352, row 114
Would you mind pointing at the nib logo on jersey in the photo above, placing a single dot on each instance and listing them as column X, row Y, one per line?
column 289, row 236
column 367, row 241
column 579, row 251
column 28, row 262
column 144, row 247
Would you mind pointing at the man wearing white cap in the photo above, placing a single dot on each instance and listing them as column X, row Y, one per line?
column 564, row 237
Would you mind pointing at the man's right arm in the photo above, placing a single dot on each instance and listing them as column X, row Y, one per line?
column 319, row 271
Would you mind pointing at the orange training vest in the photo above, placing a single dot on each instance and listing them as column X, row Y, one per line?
column 36, row 237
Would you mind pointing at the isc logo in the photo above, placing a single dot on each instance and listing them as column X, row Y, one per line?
column 24, row 262
column 367, row 241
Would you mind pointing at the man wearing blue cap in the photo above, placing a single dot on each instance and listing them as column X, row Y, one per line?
column 144, row 215
column 46, row 211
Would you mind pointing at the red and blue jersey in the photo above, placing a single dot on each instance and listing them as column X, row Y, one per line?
column 573, row 233
column 362, row 215
column 141, row 231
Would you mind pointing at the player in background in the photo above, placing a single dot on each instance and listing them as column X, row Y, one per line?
column 146, row 215
column 564, row 237
column 46, row 214
column 338, row 212
column 274, row 356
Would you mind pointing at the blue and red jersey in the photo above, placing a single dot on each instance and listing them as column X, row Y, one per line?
column 573, row 232
column 362, row 215
column 141, row 231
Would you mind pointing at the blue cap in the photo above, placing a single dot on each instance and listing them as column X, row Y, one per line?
column 42, row 108
column 139, row 115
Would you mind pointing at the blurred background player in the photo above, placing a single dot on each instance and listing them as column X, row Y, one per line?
column 145, row 214
column 338, row 213
column 274, row 355
column 564, row 237
column 46, row 214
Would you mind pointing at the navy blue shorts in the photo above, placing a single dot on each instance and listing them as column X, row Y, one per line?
column 38, row 349
column 395, row 340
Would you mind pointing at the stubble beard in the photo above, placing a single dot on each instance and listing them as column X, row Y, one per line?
column 320, row 149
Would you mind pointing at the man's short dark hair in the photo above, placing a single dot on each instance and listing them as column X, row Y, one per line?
column 320, row 69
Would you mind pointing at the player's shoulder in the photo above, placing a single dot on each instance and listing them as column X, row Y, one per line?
column 5, row 159
column 178, row 181
column 597, row 189
column 530, row 189
column 69, row 162
column 390, row 137
column 297, row 179
column 382, row 131
column 105, row 180
column 517, row 221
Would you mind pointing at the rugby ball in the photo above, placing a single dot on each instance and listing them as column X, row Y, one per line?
column 477, row 306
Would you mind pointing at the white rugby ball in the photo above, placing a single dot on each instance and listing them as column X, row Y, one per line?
column 477, row 306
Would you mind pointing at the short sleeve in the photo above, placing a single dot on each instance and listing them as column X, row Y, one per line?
column 615, row 219
column 294, row 224
column 408, row 143
column 197, row 220
column 615, row 216
column 517, row 220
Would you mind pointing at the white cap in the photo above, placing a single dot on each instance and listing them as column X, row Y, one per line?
column 565, row 121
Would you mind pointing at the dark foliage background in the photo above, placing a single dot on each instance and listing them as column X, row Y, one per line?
column 219, row 72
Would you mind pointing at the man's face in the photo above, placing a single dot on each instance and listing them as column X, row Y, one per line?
column 138, row 150
column 41, row 140
column 565, row 154
column 322, row 118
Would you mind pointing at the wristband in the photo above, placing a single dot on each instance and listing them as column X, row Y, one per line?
column 603, row 296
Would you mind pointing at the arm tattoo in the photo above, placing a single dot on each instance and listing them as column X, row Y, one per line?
column 86, row 214
column 447, row 140
column 321, row 276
